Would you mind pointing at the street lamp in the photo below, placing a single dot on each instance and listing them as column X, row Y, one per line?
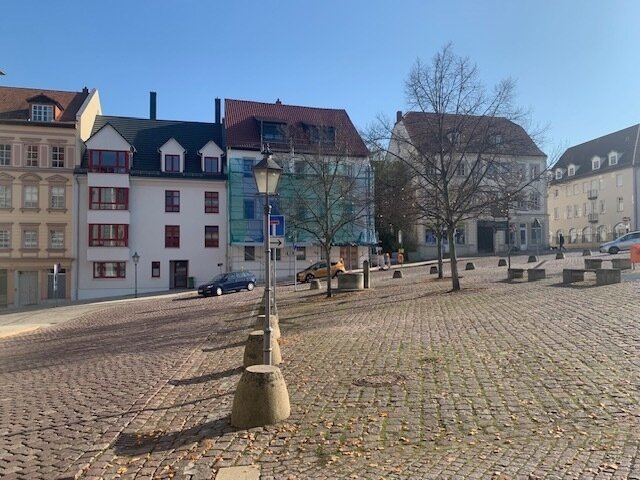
column 136, row 258
column 267, row 174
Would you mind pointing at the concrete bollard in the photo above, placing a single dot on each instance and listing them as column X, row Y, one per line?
column 314, row 284
column 470, row 266
column 261, row 398
column 365, row 271
column 502, row 262
column 586, row 253
column 351, row 282
column 254, row 350
column 275, row 325
column 433, row 269
column 397, row 274
column 532, row 259
column 559, row 256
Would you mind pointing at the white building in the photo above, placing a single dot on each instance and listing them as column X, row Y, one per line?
column 155, row 188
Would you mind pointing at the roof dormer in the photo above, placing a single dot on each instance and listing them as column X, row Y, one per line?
column 172, row 156
column 558, row 173
column 571, row 170
column 211, row 158
column 44, row 109
column 595, row 163
column 613, row 158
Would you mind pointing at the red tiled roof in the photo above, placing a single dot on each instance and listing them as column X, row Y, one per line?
column 242, row 123
column 14, row 103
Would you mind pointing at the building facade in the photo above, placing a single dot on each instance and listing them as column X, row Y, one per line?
column 41, row 133
column 524, row 225
column 152, row 206
column 289, row 130
column 593, row 191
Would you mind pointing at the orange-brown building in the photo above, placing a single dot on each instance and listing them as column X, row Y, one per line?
column 41, row 134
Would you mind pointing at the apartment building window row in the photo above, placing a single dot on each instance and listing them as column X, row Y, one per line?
column 32, row 156
column 57, row 156
column 56, row 239
column 211, row 165
column 30, row 196
column 211, row 236
column 172, row 163
column 108, row 161
column 109, row 269
column 5, row 155
column 172, row 236
column 171, row 200
column 108, row 198
column 42, row 113
column 108, row 235
column 30, row 237
column 5, row 196
column 57, row 198
column 5, row 236
column 155, row 269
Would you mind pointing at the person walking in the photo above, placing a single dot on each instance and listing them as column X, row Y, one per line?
column 561, row 243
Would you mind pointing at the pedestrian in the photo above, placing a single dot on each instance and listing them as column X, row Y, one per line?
column 561, row 243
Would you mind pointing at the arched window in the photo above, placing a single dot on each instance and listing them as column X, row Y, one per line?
column 558, row 233
column 619, row 230
column 571, row 170
column 603, row 233
column 536, row 232
column 573, row 235
column 587, row 234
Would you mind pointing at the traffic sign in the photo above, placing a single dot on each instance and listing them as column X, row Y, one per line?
column 276, row 242
column 277, row 225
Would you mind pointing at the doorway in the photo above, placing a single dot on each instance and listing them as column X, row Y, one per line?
column 485, row 239
column 523, row 236
column 179, row 273
column 349, row 254
column 3, row 288
column 27, row 288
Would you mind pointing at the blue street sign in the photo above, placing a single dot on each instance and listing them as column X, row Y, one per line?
column 277, row 225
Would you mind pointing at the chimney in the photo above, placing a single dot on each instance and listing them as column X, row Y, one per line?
column 278, row 102
column 152, row 105
column 217, row 110
column 398, row 116
column 85, row 90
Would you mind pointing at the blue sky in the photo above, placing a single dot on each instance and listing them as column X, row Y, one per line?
column 575, row 61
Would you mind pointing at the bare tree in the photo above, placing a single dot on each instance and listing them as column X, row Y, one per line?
column 461, row 144
column 327, row 194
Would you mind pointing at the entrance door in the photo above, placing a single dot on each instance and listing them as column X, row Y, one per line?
column 27, row 288
column 349, row 254
column 523, row 236
column 485, row 239
column 51, row 293
column 3, row 288
column 179, row 273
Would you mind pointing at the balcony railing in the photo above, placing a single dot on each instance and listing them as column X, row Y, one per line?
column 593, row 218
column 592, row 194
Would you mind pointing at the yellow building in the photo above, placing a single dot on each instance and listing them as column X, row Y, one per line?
column 41, row 133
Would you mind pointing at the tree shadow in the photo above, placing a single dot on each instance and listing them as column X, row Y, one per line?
column 206, row 378
column 138, row 443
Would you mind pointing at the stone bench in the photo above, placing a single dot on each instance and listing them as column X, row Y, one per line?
column 351, row 282
column 592, row 263
column 621, row 263
column 604, row 276
column 515, row 273
column 534, row 274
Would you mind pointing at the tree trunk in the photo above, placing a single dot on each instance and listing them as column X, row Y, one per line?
column 439, row 248
column 327, row 254
column 455, row 280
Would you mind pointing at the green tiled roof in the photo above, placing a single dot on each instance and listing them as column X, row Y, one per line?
column 147, row 136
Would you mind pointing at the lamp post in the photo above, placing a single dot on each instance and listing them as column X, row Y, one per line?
column 136, row 258
column 267, row 174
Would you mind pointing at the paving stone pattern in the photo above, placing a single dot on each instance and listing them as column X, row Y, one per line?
column 502, row 380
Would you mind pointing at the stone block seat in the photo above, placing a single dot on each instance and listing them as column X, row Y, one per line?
column 604, row 276
column 534, row 274
column 515, row 273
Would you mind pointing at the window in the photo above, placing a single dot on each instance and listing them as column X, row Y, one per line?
column 172, row 163
column 460, row 170
column 108, row 161
column 459, row 236
column 430, row 237
column 620, row 204
column 30, row 238
column 30, row 196
column 595, row 163
column 618, row 180
column 247, row 167
column 108, row 235
column 558, row 174
column 108, row 198
column 5, row 155
column 56, row 239
column 301, row 253
column 42, row 113
column 535, row 171
column 576, row 189
column 555, row 213
column 171, row 200
column 57, row 198
column 613, row 158
column 571, row 171
column 585, row 187
column 602, row 207
column 536, row 232
column 556, row 192
column 249, row 209
column 109, row 269
column 567, row 190
column 601, row 183
column 5, row 237
column 211, row 165
column 577, row 211
column 299, row 167
column 57, row 157
column 32, row 155
column 249, row 253
column 155, row 269
column 569, row 211
column 172, row 236
column 5, row 196
column 273, row 132
column 322, row 135
column 211, row 202
column 276, row 254
column 211, row 236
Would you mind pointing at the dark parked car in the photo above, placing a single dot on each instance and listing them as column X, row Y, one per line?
column 228, row 282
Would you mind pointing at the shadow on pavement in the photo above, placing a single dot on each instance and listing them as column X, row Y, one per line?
column 224, row 347
column 206, row 378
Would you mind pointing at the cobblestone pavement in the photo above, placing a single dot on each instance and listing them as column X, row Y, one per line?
column 502, row 380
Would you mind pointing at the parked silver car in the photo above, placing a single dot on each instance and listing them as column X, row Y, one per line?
column 621, row 243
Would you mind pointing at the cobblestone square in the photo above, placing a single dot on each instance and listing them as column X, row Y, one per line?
column 508, row 380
